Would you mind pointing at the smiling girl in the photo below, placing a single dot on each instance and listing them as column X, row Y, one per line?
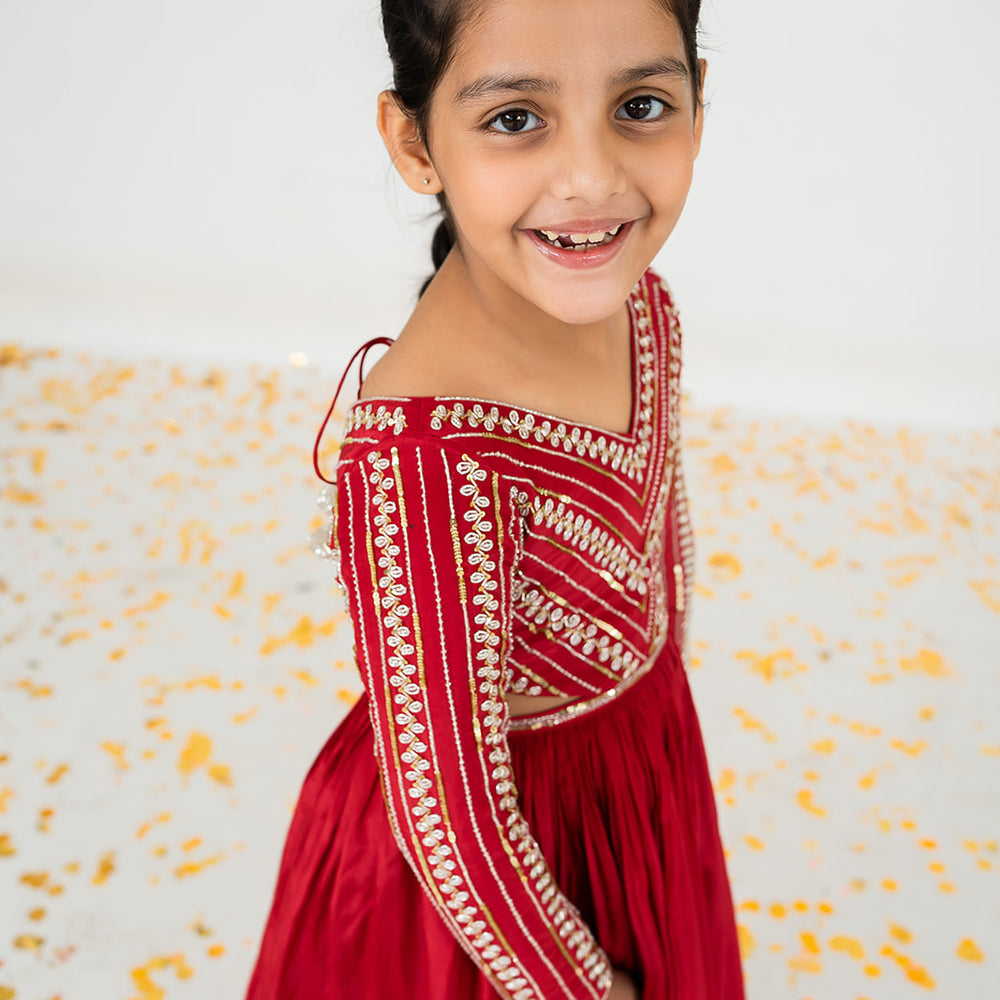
column 520, row 803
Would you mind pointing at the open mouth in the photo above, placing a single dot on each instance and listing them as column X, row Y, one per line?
column 580, row 242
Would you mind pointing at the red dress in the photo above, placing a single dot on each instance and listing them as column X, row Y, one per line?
column 442, row 850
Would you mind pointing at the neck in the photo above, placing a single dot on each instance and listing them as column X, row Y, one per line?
column 508, row 325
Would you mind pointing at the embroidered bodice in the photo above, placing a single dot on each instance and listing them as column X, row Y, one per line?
column 486, row 550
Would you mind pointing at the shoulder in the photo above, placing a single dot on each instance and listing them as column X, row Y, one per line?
column 406, row 369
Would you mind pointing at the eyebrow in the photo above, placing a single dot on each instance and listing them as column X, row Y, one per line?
column 490, row 86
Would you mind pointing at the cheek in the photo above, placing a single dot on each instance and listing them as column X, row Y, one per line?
column 487, row 195
column 666, row 176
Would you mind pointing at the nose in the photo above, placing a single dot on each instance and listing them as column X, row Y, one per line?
column 586, row 164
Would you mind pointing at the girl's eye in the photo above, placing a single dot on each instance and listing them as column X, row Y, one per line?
column 514, row 120
column 642, row 109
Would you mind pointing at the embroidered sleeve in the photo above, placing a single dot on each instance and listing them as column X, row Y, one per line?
column 427, row 541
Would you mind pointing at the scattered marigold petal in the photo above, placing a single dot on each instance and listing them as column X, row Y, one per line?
column 921, row 977
column 193, row 867
column 809, row 942
column 117, row 751
column 806, row 963
column 969, row 951
column 724, row 566
column 220, row 774
column 105, row 868
column 927, row 662
column 196, row 752
column 302, row 634
column 982, row 590
column 57, row 774
column 726, row 780
column 847, row 945
column 805, row 800
column 901, row 934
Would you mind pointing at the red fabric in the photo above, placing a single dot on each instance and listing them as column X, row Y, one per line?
column 440, row 849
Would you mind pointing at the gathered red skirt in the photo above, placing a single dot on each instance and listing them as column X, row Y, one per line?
column 621, row 804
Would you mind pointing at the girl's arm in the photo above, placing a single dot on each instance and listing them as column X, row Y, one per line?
column 427, row 538
column 622, row 987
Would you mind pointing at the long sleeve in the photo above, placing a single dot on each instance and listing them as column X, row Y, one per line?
column 428, row 540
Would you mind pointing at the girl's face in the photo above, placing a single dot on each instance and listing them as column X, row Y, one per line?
column 560, row 121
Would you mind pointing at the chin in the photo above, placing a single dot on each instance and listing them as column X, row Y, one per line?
column 589, row 300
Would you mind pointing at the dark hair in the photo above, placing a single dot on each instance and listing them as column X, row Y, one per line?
column 420, row 35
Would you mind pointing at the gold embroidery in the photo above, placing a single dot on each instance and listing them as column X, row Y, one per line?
column 613, row 557
column 575, row 709
column 599, row 642
column 572, row 933
column 457, row 547
column 374, row 416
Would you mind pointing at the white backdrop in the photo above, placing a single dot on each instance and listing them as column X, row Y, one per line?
column 205, row 177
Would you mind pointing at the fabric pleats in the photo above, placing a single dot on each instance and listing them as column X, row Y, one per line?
column 621, row 803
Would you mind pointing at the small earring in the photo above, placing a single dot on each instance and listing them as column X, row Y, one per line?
column 427, row 180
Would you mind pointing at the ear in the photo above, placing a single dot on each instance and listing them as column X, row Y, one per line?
column 406, row 149
column 699, row 117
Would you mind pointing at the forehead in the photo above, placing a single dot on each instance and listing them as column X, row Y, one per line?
column 562, row 40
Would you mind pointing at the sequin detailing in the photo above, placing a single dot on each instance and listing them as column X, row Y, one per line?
column 592, row 639
column 321, row 541
column 374, row 416
column 576, row 709
column 598, row 541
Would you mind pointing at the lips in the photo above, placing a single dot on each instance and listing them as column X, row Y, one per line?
column 581, row 246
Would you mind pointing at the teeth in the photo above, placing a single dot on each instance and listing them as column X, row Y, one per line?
column 579, row 241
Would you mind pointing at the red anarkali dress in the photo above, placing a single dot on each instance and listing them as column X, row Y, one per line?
column 442, row 850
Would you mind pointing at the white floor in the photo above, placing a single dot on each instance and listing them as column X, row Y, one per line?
column 172, row 657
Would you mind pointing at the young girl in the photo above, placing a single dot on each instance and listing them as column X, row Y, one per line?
column 519, row 803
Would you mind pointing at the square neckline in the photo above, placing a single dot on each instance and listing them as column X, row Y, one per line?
column 636, row 390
